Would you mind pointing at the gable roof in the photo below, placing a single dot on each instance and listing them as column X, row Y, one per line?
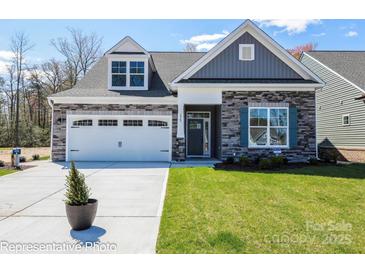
column 348, row 64
column 127, row 44
column 262, row 37
column 168, row 66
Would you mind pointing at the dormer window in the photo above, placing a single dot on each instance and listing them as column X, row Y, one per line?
column 119, row 74
column 247, row 52
column 136, row 74
column 128, row 73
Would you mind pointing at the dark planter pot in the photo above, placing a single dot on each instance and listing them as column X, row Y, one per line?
column 82, row 217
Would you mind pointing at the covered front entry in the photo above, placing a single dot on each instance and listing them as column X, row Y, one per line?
column 118, row 138
column 198, row 134
column 202, row 131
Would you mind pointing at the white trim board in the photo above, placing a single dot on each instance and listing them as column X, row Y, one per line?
column 124, row 42
column 263, row 38
column 334, row 72
column 170, row 100
column 262, row 87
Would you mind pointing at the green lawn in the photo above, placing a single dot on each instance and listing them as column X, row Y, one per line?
column 306, row 210
column 6, row 171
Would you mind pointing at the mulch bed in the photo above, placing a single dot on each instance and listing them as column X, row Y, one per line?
column 22, row 167
column 253, row 168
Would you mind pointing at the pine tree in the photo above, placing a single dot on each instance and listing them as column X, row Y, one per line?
column 77, row 192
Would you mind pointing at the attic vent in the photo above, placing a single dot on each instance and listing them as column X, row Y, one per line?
column 247, row 52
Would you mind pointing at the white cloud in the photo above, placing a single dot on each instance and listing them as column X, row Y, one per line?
column 6, row 55
column 205, row 46
column 205, row 41
column 289, row 26
column 351, row 33
column 5, row 58
column 319, row 34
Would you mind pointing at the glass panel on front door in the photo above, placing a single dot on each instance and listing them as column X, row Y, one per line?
column 198, row 134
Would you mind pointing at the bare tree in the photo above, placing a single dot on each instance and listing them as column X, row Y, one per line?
column 54, row 76
column 190, row 47
column 80, row 50
column 298, row 50
column 20, row 45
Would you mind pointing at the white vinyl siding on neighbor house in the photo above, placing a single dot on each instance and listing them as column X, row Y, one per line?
column 268, row 127
column 335, row 99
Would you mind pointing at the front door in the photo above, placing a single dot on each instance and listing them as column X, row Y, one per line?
column 195, row 137
column 198, row 134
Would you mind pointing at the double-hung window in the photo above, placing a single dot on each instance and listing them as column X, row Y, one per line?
column 119, row 73
column 136, row 72
column 268, row 127
column 127, row 74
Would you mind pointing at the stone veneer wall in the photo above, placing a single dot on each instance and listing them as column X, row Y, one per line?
column 234, row 100
column 59, row 123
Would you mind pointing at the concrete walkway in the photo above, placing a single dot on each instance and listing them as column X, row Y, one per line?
column 130, row 199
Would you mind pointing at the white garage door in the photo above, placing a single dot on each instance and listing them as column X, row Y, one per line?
column 118, row 138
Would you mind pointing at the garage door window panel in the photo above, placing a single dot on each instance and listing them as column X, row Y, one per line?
column 108, row 123
column 83, row 123
column 157, row 123
column 132, row 123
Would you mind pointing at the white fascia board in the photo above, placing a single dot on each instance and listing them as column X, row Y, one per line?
column 127, row 39
column 263, row 38
column 226, row 86
column 334, row 72
column 135, row 100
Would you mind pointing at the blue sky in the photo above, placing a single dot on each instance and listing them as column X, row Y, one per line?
column 170, row 35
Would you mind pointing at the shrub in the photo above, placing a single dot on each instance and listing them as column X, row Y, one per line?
column 313, row 161
column 36, row 157
column 265, row 163
column 257, row 160
column 286, row 160
column 22, row 159
column 277, row 161
column 229, row 160
column 2, row 163
column 329, row 155
column 245, row 161
column 77, row 192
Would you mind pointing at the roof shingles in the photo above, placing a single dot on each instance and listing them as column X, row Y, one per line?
column 168, row 66
column 349, row 64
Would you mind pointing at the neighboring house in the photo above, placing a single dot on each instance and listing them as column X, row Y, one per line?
column 246, row 96
column 340, row 103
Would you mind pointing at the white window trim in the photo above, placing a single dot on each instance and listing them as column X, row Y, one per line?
column 128, row 60
column 349, row 118
column 250, row 145
column 252, row 46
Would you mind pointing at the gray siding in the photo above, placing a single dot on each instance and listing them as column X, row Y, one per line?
column 227, row 64
column 330, row 109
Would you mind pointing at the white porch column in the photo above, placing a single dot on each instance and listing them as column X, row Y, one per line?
column 180, row 120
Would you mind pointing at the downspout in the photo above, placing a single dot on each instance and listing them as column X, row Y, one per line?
column 50, row 102
column 315, row 113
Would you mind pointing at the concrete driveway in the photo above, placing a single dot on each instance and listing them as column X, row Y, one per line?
column 130, row 197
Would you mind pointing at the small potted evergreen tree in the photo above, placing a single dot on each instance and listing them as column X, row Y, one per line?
column 80, row 209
